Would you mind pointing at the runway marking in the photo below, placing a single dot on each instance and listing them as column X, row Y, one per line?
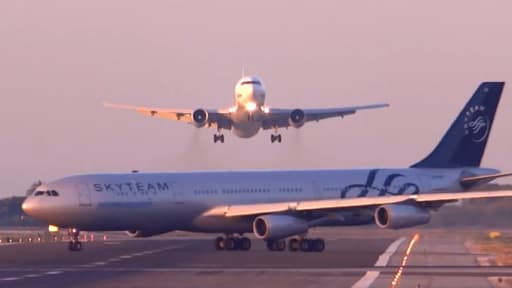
column 92, row 265
column 10, row 279
column 99, row 263
column 398, row 274
column 53, row 272
column 370, row 275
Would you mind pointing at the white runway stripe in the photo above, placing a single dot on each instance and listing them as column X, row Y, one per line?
column 370, row 276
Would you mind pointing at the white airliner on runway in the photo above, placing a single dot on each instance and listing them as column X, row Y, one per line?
column 275, row 205
column 249, row 114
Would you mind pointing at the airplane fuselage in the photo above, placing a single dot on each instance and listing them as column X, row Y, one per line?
column 179, row 201
column 248, row 111
column 246, row 123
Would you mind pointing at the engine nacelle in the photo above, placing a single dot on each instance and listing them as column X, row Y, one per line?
column 200, row 117
column 396, row 216
column 278, row 226
column 144, row 233
column 297, row 118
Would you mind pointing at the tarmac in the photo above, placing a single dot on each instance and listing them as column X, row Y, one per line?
column 354, row 257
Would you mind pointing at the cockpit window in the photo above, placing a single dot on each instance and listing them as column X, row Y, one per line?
column 251, row 82
column 51, row 193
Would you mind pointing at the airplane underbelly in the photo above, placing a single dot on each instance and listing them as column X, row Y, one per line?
column 119, row 216
column 246, row 129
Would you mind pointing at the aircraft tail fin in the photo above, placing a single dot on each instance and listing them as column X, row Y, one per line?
column 463, row 145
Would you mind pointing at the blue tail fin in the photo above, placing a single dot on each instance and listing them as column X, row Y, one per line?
column 464, row 143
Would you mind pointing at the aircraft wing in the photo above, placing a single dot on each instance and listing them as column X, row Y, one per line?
column 279, row 118
column 216, row 118
column 310, row 205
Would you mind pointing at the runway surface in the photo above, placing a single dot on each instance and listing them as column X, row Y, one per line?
column 435, row 259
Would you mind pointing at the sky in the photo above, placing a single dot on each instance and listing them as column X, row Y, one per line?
column 59, row 60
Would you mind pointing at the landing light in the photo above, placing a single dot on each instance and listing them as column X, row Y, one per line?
column 52, row 228
column 251, row 106
column 265, row 110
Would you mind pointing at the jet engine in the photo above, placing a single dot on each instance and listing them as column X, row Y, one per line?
column 297, row 118
column 278, row 226
column 200, row 117
column 144, row 233
column 396, row 216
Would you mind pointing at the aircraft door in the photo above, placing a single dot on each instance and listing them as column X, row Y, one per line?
column 84, row 195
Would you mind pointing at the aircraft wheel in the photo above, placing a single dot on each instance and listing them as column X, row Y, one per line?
column 245, row 244
column 71, row 246
column 293, row 244
column 220, row 243
column 270, row 245
column 281, row 245
column 231, row 244
column 75, row 246
column 318, row 245
column 305, row 245
column 279, row 138
column 276, row 245
column 218, row 138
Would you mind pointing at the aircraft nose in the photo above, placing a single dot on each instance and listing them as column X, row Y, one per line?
column 28, row 206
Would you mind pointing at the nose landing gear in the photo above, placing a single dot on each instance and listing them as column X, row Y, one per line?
column 74, row 244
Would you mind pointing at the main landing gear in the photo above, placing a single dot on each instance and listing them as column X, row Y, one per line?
column 232, row 243
column 218, row 137
column 74, row 243
column 296, row 244
column 275, row 137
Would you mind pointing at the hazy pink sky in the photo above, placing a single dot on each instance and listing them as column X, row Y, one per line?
column 59, row 60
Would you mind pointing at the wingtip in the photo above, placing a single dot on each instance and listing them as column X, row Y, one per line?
column 117, row 106
column 107, row 104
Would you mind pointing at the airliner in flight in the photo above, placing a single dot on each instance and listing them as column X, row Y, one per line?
column 249, row 114
column 277, row 205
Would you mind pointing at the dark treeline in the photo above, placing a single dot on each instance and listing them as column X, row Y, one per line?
column 12, row 215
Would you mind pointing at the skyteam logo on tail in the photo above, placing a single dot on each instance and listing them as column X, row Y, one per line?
column 476, row 123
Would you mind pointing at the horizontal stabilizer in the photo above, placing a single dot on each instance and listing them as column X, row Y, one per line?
column 472, row 180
